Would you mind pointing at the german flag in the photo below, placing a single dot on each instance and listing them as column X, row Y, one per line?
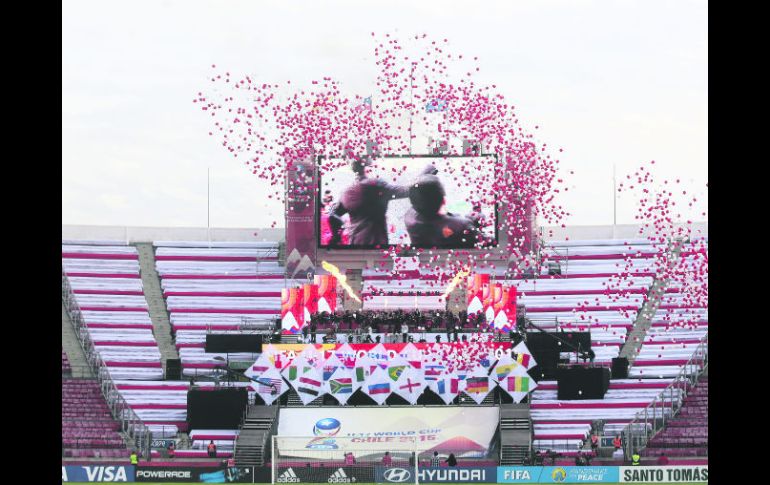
column 477, row 384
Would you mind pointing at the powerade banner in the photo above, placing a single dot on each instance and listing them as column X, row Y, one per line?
column 369, row 432
column 557, row 474
column 664, row 474
column 97, row 473
column 194, row 474
column 318, row 474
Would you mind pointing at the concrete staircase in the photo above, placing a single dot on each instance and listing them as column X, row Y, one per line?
column 252, row 448
column 635, row 338
column 71, row 346
column 515, row 433
column 161, row 326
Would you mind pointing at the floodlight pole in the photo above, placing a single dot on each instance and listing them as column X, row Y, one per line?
column 614, row 203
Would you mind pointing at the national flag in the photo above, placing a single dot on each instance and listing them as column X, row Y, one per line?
column 269, row 385
column 518, row 384
column 523, row 359
column 432, row 371
column 452, row 388
column 310, row 382
column 307, row 390
column 341, row 385
column 477, row 384
column 361, row 374
column 504, row 369
column 292, row 372
column 381, row 388
column 395, row 371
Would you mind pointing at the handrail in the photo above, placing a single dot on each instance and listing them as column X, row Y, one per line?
column 130, row 423
column 652, row 419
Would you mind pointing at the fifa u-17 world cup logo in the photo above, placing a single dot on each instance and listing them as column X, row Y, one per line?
column 325, row 430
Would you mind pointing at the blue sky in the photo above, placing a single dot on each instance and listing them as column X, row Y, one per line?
column 610, row 82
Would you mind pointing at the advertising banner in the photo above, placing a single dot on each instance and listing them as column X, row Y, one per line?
column 557, row 474
column 458, row 475
column 664, row 474
column 183, row 474
column 317, row 474
column 369, row 432
column 97, row 473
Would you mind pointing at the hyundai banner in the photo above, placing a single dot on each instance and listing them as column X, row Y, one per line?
column 369, row 432
column 557, row 474
column 664, row 474
column 458, row 475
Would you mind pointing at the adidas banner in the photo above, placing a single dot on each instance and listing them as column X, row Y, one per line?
column 317, row 474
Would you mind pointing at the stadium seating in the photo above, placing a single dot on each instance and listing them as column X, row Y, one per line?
column 108, row 289
column 88, row 429
column 687, row 433
column 66, row 368
column 219, row 288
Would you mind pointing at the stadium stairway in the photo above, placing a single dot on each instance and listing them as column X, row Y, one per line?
column 638, row 333
column 515, row 433
column 253, row 443
column 156, row 305
column 71, row 346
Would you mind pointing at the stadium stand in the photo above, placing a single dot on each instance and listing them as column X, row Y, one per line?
column 88, row 429
column 687, row 433
column 108, row 290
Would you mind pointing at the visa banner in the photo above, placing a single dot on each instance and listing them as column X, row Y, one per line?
column 97, row 473
column 557, row 474
column 664, row 474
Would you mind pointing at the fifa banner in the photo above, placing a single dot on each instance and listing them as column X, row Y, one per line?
column 664, row 474
column 97, row 473
column 369, row 432
column 327, row 293
column 557, row 474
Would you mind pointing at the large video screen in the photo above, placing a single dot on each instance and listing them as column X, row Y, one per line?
column 424, row 202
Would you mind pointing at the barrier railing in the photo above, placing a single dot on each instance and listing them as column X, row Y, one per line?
column 648, row 422
column 130, row 424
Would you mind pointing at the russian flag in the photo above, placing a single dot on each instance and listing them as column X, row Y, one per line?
column 382, row 388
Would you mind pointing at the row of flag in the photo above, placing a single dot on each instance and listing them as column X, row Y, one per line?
column 380, row 375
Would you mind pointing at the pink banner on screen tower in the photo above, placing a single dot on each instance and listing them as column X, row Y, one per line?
column 301, row 194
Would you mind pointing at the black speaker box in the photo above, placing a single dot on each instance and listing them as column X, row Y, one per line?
column 239, row 342
column 620, row 368
column 216, row 408
column 582, row 383
column 173, row 369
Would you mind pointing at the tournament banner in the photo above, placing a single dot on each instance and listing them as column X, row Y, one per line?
column 97, row 473
column 504, row 308
column 292, row 316
column 557, row 474
column 486, row 474
column 177, row 474
column 327, row 292
column 369, row 432
column 664, row 474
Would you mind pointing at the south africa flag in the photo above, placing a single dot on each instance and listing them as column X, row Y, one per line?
column 343, row 385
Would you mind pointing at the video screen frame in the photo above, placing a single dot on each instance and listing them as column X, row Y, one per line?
column 319, row 206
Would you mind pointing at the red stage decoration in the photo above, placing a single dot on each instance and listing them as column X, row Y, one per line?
column 475, row 294
column 309, row 301
column 504, row 308
column 291, row 310
column 327, row 293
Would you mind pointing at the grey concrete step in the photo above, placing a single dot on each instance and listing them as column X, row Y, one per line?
column 71, row 346
column 153, row 293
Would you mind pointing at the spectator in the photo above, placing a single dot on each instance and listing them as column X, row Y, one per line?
column 594, row 442
column 635, row 459
column 134, row 459
column 435, row 461
column 387, row 460
column 404, row 331
column 231, row 462
column 171, row 450
column 350, row 459
column 662, row 460
column 438, row 339
column 617, row 443
column 212, row 449
column 451, row 460
column 579, row 461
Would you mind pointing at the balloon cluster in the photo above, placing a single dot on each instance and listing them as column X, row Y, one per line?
column 420, row 87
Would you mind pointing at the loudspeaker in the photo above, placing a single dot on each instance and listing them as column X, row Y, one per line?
column 620, row 368
column 173, row 369
column 221, row 408
column 239, row 342
column 581, row 383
